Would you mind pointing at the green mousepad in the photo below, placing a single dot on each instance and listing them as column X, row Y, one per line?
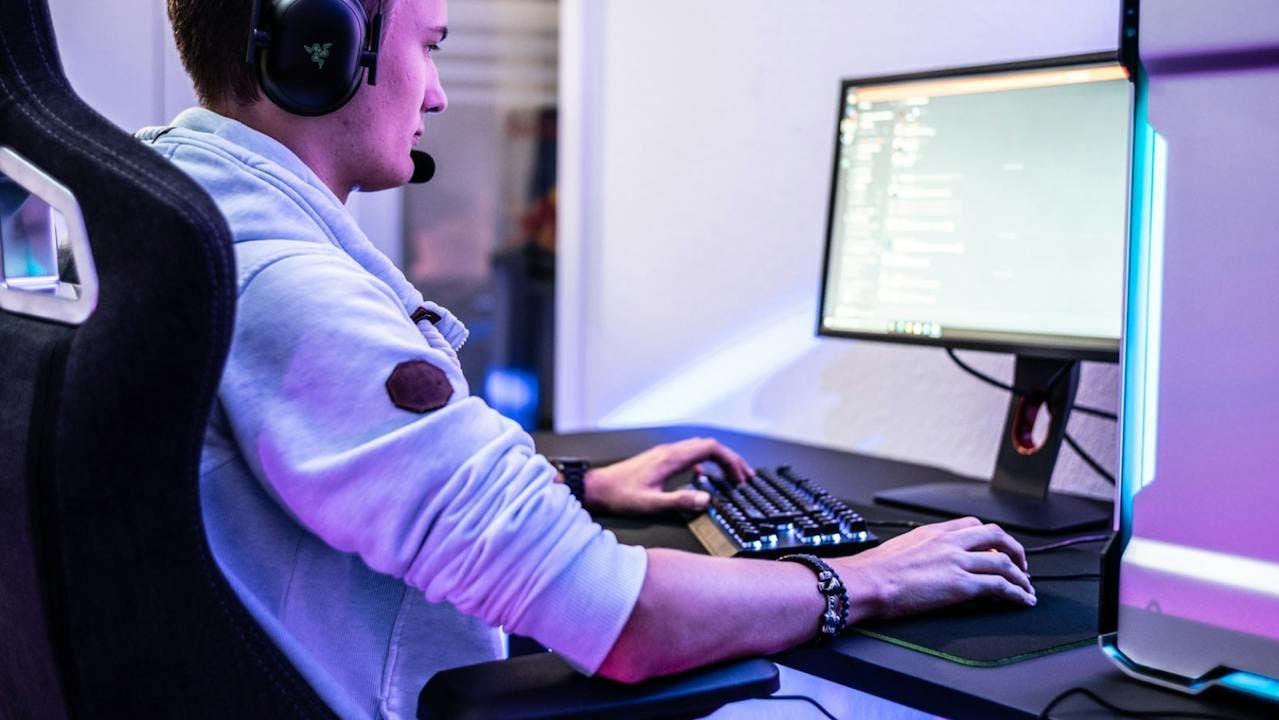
column 992, row 633
column 980, row 634
column 988, row 635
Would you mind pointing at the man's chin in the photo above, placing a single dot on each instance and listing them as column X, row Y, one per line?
column 389, row 178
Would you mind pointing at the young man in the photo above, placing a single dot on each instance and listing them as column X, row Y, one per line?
column 377, row 519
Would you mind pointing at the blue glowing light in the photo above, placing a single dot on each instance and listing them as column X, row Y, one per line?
column 1260, row 686
column 1253, row 684
column 1145, row 304
column 514, row 393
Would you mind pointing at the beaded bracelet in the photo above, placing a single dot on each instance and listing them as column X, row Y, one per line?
column 829, row 584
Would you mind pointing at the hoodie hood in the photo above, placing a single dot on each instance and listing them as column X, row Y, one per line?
column 267, row 193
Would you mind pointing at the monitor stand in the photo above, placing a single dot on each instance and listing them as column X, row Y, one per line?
column 1018, row 497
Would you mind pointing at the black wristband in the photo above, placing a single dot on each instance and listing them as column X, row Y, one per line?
column 574, row 471
column 831, row 586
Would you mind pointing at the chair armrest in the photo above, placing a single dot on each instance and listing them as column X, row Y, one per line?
column 544, row 686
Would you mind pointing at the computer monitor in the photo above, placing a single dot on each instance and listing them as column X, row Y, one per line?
column 986, row 208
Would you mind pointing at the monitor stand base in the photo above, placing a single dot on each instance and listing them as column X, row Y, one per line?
column 1055, row 513
column 1017, row 495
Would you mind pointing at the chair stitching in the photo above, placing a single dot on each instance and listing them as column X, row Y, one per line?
column 194, row 215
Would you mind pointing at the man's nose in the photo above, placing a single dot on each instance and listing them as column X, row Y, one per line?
column 436, row 101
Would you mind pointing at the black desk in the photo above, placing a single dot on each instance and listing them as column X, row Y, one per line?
column 930, row 684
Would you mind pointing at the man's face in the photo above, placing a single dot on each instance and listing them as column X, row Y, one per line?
column 385, row 121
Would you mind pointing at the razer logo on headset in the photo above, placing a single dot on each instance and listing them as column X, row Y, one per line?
column 318, row 52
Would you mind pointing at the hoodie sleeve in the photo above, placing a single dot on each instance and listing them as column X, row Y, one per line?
column 454, row 500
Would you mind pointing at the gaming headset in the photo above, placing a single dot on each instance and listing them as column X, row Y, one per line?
column 310, row 57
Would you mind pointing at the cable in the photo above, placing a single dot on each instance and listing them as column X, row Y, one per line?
column 1096, row 466
column 1034, row 549
column 1071, row 576
column 1022, row 393
column 909, row 524
column 986, row 378
column 1052, row 382
column 1125, row 711
column 806, row 699
column 1080, row 540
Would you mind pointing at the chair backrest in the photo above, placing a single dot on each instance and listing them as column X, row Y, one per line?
column 110, row 601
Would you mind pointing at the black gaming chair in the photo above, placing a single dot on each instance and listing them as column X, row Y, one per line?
column 111, row 604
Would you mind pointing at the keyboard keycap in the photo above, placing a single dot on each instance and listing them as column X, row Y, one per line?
column 778, row 512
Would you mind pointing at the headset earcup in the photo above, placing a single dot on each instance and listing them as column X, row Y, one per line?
column 312, row 64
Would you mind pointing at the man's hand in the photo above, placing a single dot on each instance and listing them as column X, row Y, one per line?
column 694, row 609
column 937, row 565
column 635, row 485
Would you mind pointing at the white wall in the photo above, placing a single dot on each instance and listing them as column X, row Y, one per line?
column 120, row 57
column 695, row 167
column 113, row 54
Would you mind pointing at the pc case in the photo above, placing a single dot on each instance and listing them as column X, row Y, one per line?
column 1191, row 584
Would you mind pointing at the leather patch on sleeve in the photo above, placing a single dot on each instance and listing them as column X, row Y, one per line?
column 418, row 386
column 423, row 314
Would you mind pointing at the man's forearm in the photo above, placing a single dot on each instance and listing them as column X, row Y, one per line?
column 695, row 610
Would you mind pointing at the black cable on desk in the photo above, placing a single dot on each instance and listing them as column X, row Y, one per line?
column 1125, row 711
column 1060, row 544
column 908, row 524
column 806, row 699
column 1032, row 550
column 1080, row 540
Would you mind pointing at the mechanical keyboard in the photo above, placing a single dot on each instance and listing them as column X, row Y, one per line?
column 776, row 513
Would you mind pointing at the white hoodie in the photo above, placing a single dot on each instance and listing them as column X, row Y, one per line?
column 354, row 530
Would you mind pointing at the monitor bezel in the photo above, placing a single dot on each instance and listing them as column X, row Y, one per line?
column 1052, row 347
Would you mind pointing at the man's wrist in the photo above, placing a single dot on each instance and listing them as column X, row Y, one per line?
column 866, row 595
column 590, row 490
column 572, row 471
column 834, row 617
column 590, row 497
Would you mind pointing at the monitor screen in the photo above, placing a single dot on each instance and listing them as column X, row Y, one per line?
column 982, row 208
